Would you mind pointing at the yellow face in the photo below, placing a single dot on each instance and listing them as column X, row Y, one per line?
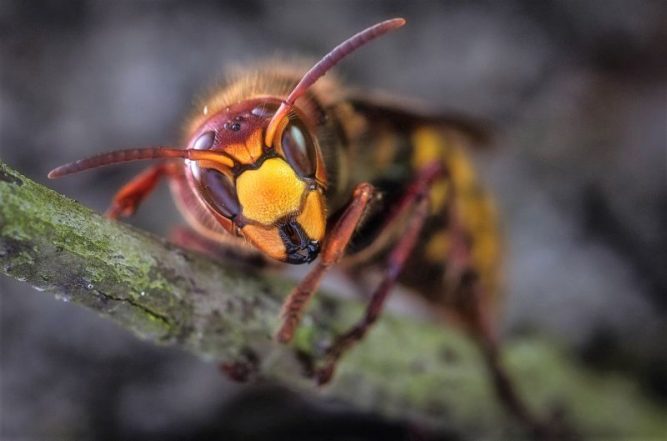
column 287, row 213
column 271, row 195
column 270, row 192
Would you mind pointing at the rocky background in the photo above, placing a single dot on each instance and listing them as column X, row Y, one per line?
column 576, row 90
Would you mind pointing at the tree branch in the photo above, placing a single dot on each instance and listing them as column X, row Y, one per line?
column 404, row 369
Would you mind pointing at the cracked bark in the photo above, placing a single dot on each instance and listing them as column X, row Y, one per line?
column 404, row 369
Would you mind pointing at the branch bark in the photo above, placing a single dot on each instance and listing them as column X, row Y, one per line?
column 404, row 369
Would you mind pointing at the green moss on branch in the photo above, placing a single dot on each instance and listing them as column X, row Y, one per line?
column 404, row 369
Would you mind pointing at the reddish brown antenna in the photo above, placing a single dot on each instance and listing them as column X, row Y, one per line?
column 315, row 72
column 326, row 63
column 119, row 156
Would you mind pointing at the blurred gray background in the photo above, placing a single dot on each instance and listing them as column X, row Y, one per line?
column 578, row 93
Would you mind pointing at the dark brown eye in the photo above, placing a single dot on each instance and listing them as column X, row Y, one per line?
column 204, row 141
column 219, row 192
column 299, row 149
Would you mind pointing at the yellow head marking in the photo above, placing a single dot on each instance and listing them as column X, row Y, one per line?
column 248, row 151
column 313, row 219
column 266, row 239
column 270, row 192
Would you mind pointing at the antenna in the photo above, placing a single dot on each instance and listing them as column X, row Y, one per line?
column 327, row 62
column 120, row 156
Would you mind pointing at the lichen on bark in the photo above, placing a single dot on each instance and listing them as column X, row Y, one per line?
column 404, row 369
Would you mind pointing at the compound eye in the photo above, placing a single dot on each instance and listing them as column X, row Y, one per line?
column 298, row 148
column 219, row 192
column 204, row 141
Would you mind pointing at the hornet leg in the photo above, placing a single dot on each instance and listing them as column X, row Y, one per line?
column 131, row 195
